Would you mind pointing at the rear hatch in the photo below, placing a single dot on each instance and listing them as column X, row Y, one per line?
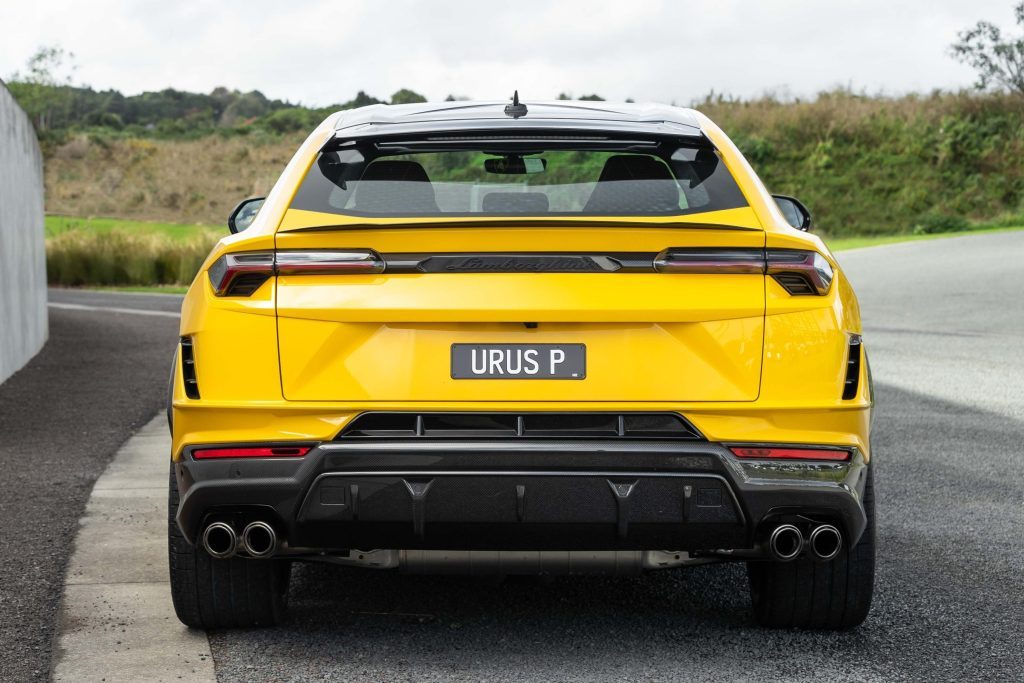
column 520, row 260
column 456, row 312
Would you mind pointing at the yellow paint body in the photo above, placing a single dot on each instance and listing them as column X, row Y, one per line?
column 737, row 355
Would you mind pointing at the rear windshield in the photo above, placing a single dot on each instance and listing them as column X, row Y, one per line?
column 603, row 179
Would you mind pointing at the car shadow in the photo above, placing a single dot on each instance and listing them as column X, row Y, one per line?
column 938, row 495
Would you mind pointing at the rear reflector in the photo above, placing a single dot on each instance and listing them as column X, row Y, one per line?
column 252, row 452
column 789, row 453
column 242, row 274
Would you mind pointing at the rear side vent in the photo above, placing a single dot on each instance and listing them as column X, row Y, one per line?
column 245, row 284
column 188, row 368
column 794, row 284
column 850, row 385
column 520, row 426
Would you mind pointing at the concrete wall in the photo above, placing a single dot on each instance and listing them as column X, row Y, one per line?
column 23, row 317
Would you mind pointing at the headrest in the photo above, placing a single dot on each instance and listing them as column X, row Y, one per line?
column 634, row 167
column 395, row 187
column 631, row 185
column 395, row 170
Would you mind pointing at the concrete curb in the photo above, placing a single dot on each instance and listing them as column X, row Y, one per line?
column 116, row 621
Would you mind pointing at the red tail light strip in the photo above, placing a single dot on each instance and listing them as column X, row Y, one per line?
column 718, row 261
column 230, row 267
column 239, row 274
column 790, row 453
column 316, row 262
column 252, row 452
column 812, row 270
column 798, row 271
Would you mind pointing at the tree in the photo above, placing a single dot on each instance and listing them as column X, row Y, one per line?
column 245, row 107
column 406, row 96
column 581, row 98
column 998, row 60
column 288, row 120
column 361, row 100
column 43, row 91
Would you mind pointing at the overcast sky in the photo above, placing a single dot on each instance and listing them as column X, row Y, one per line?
column 319, row 52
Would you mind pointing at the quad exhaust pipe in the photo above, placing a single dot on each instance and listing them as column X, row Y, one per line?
column 220, row 541
column 259, row 539
column 825, row 542
column 786, row 542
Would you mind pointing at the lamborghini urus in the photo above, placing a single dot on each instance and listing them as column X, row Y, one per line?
column 521, row 338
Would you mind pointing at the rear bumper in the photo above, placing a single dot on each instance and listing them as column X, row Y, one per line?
column 526, row 495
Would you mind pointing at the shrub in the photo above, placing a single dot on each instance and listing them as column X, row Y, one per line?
column 935, row 223
column 83, row 257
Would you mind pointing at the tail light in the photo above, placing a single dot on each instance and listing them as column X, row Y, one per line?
column 317, row 262
column 251, row 452
column 790, row 453
column 737, row 261
column 800, row 272
column 242, row 273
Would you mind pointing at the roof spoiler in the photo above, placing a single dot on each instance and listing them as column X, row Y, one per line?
column 588, row 222
column 460, row 135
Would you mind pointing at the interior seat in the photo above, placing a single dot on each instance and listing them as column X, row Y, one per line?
column 390, row 186
column 634, row 184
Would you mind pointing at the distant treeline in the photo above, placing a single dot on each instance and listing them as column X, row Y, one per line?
column 59, row 110
column 863, row 164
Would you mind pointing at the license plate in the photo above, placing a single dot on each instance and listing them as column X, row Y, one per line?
column 519, row 361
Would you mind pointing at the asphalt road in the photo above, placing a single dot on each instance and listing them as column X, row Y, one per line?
column 100, row 377
column 945, row 336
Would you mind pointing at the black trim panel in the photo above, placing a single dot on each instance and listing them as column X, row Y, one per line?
column 519, row 494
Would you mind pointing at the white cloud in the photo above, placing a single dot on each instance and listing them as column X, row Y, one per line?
column 321, row 52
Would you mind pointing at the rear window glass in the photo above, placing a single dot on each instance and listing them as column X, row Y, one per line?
column 370, row 180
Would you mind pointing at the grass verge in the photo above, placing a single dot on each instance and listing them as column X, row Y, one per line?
column 57, row 225
column 847, row 243
column 125, row 258
column 141, row 256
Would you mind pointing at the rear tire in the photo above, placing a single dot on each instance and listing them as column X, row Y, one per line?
column 209, row 593
column 832, row 595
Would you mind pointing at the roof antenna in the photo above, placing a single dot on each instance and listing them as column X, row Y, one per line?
column 515, row 110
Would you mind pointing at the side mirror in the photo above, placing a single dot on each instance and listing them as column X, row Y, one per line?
column 244, row 214
column 795, row 212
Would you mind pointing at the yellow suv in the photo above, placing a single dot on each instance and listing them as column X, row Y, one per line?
column 542, row 338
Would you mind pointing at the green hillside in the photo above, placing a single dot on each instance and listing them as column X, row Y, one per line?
column 864, row 165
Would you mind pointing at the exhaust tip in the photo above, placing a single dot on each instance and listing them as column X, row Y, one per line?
column 785, row 543
column 825, row 542
column 259, row 539
column 220, row 540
